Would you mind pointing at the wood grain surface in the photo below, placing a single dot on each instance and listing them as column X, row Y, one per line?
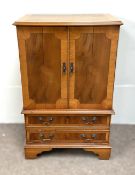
column 67, row 20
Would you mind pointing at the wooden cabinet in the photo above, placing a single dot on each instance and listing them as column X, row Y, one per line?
column 67, row 68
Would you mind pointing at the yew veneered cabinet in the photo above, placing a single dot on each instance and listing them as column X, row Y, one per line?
column 67, row 69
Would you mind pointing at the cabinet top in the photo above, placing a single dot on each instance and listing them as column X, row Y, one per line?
column 67, row 20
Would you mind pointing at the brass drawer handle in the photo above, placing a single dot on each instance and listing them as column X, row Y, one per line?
column 44, row 138
column 71, row 67
column 49, row 120
column 89, row 120
column 64, row 67
column 84, row 137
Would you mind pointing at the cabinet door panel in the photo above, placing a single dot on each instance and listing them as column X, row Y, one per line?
column 41, row 54
column 93, row 51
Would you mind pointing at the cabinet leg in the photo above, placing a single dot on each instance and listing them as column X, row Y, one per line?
column 32, row 153
column 103, row 153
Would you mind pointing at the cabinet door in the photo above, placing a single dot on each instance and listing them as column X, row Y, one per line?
column 43, row 60
column 92, row 66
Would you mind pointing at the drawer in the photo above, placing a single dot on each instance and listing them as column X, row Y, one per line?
column 66, row 136
column 93, row 120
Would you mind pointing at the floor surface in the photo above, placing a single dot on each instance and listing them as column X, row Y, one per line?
column 67, row 161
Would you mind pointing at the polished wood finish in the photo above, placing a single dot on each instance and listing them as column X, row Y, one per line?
column 43, row 66
column 67, row 69
column 68, row 112
column 90, row 57
column 44, row 136
column 67, row 20
column 43, row 51
column 60, row 121
column 31, row 153
column 103, row 151
column 89, row 88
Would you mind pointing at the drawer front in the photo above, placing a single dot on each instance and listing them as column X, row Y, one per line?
column 92, row 120
column 49, row 137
